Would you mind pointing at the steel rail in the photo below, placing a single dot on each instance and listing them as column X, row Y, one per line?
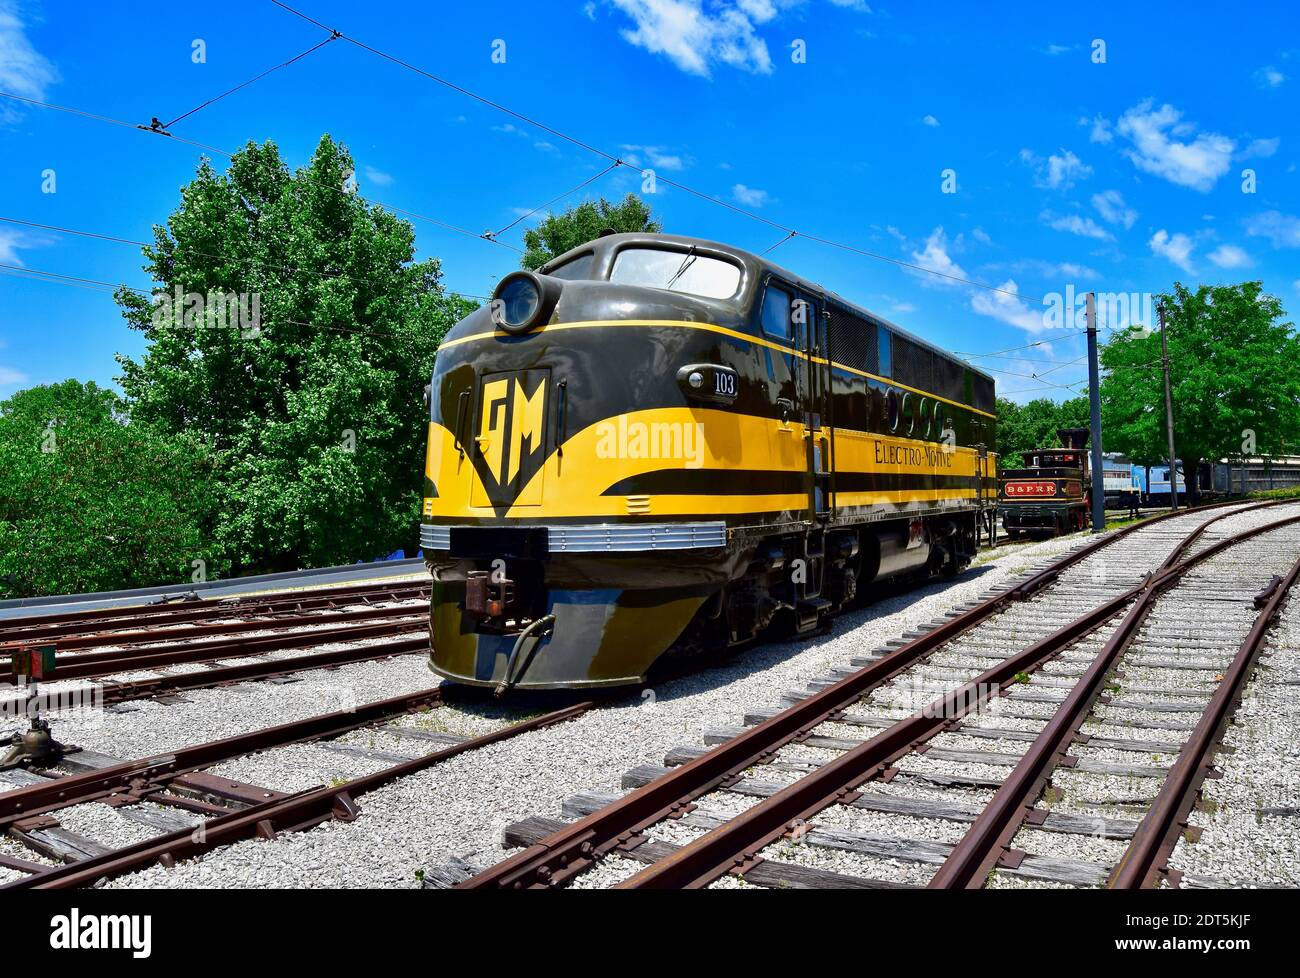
column 295, row 813
column 581, row 843
column 129, row 616
column 91, row 665
column 989, row 836
column 735, row 843
column 131, row 775
column 1145, row 860
column 280, row 622
column 121, row 692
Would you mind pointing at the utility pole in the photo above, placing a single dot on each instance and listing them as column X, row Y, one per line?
column 1094, row 406
column 1169, row 413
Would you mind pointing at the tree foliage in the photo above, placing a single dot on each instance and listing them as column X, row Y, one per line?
column 1234, row 370
column 1024, row 427
column 578, row 225
column 314, row 417
column 90, row 502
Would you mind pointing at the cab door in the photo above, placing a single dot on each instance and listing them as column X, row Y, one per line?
column 811, row 320
column 787, row 372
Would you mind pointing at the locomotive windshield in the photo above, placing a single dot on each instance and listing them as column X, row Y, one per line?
column 575, row 268
column 679, row 271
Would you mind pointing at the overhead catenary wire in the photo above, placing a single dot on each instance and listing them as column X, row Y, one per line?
column 336, row 34
column 493, row 237
column 59, row 278
column 70, row 110
column 772, row 248
column 217, row 98
column 221, row 152
column 290, row 269
column 574, row 140
column 572, row 190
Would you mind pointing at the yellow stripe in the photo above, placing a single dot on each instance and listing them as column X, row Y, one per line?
column 725, row 331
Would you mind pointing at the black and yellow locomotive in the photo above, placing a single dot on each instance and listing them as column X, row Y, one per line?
column 661, row 443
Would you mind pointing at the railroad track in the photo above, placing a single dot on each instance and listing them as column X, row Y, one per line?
column 955, row 757
column 201, row 811
column 280, row 634
column 101, row 623
column 184, row 800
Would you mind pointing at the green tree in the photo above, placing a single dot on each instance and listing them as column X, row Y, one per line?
column 1234, row 370
column 313, row 412
column 89, row 502
column 578, row 225
column 1024, row 427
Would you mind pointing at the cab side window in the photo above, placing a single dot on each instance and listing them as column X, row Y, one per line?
column 776, row 313
column 886, row 352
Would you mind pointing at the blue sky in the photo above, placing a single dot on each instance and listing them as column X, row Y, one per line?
column 1076, row 167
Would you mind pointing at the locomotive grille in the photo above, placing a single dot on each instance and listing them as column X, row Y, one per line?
column 913, row 364
column 950, row 380
column 984, row 398
column 852, row 340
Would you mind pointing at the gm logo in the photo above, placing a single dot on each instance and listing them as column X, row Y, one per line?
column 511, row 438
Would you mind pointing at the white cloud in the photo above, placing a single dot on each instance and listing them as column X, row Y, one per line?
column 1296, row 283
column 1282, row 230
column 377, row 177
column 749, row 196
column 1008, row 308
column 930, row 120
column 697, row 35
column 1110, row 205
column 695, row 39
column 1269, row 77
column 1083, row 226
column 982, row 236
column 1262, row 148
column 23, row 70
column 589, row 9
column 1175, row 247
column 1099, row 131
column 11, row 241
column 1230, row 256
column 9, row 376
column 1057, row 172
column 657, row 156
column 1164, row 145
column 1048, row 269
column 934, row 256
column 1056, row 49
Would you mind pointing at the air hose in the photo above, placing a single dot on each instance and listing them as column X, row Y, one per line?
column 538, row 629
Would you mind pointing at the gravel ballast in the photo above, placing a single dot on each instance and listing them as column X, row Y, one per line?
column 459, row 808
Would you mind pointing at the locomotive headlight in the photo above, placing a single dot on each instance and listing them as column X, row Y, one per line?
column 696, row 379
column 523, row 300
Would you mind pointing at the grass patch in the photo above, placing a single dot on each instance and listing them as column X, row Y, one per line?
column 431, row 722
column 1290, row 492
